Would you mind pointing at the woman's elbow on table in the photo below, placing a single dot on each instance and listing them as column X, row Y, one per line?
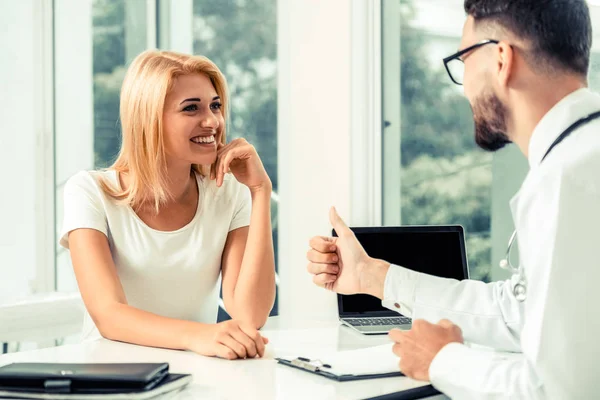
column 106, row 320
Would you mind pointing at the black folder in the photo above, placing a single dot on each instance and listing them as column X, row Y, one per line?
column 57, row 380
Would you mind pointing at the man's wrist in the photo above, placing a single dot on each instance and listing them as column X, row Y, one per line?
column 372, row 277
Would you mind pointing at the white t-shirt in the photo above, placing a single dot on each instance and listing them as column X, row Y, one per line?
column 173, row 274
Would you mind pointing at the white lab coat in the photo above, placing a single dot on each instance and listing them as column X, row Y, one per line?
column 556, row 331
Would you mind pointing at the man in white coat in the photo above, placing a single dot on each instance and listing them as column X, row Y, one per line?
column 524, row 66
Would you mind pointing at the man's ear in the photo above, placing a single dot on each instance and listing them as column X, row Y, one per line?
column 505, row 63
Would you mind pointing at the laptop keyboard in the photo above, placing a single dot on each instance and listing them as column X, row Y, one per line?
column 395, row 321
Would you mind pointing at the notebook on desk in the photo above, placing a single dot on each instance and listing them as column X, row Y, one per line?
column 54, row 381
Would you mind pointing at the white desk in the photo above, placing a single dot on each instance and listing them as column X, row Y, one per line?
column 243, row 379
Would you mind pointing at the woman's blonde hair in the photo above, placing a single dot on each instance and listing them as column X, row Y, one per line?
column 142, row 156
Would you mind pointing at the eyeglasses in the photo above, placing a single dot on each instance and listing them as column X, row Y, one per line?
column 456, row 66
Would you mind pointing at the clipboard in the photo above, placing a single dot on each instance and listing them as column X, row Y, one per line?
column 350, row 365
column 319, row 368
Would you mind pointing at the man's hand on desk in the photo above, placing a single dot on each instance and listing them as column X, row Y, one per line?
column 418, row 347
column 229, row 339
column 341, row 264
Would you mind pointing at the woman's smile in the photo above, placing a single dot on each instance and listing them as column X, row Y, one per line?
column 206, row 141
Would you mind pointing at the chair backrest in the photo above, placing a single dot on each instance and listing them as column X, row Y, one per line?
column 41, row 318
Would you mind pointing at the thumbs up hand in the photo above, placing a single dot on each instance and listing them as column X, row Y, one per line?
column 342, row 265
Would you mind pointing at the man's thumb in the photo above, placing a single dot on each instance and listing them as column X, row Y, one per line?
column 338, row 223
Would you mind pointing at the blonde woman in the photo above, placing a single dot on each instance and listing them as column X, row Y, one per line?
column 150, row 236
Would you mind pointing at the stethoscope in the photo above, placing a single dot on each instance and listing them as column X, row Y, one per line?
column 517, row 279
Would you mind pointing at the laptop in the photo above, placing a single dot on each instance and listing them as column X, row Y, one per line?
column 434, row 250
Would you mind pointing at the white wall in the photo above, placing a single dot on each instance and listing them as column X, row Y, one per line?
column 21, row 142
column 327, row 53
column 313, row 142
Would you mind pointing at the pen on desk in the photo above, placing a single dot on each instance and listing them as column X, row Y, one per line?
column 308, row 360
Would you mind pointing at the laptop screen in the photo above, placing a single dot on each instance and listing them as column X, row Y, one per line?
column 434, row 250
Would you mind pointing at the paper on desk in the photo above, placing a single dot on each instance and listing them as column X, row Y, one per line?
column 287, row 343
column 371, row 360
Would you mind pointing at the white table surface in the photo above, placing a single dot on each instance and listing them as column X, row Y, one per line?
column 243, row 379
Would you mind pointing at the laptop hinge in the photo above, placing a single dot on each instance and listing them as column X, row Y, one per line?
column 57, row 385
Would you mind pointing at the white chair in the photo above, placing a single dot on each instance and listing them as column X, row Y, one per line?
column 41, row 318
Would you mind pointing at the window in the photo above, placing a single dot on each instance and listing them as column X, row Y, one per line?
column 442, row 177
column 67, row 60
column 433, row 171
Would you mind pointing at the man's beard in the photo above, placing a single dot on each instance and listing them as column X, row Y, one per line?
column 490, row 117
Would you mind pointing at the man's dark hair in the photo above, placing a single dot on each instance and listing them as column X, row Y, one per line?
column 559, row 31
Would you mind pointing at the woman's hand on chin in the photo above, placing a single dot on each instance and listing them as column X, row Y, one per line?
column 241, row 159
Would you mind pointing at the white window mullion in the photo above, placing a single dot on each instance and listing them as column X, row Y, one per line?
column 175, row 27
column 391, row 140
column 151, row 28
column 45, row 271
column 366, row 113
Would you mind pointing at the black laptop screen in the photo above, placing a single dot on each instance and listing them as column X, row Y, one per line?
column 436, row 251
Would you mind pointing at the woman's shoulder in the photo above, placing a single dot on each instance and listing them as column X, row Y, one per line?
column 89, row 181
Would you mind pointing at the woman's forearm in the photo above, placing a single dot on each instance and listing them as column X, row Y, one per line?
column 124, row 323
column 254, row 293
